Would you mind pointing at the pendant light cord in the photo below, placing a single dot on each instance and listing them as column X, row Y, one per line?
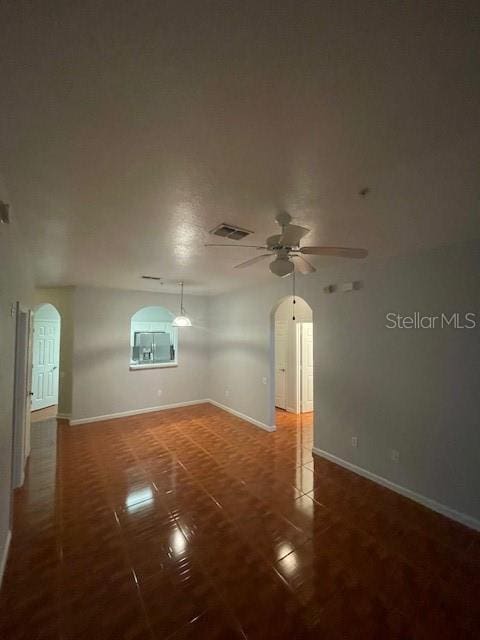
column 182, row 320
column 182, row 313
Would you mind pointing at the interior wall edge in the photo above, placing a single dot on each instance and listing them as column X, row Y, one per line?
column 243, row 416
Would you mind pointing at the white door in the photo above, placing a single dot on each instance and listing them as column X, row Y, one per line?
column 21, row 405
column 307, row 367
column 281, row 347
column 46, row 351
column 28, row 404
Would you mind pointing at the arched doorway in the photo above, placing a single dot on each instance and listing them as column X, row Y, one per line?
column 292, row 359
column 45, row 361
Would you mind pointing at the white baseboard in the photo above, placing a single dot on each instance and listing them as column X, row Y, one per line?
column 3, row 559
column 64, row 416
column 135, row 412
column 463, row 518
column 257, row 423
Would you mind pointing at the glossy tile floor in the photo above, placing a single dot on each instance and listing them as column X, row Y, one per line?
column 193, row 524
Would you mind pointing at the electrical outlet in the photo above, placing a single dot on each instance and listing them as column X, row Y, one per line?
column 159, row 393
column 395, row 455
column 227, row 393
column 264, row 380
column 354, row 442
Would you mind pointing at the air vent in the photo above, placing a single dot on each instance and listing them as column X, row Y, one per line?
column 151, row 277
column 230, row 231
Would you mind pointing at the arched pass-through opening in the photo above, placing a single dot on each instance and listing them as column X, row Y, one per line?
column 45, row 361
column 291, row 362
column 153, row 338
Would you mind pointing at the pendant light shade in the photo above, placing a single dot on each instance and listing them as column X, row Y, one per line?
column 182, row 320
column 282, row 266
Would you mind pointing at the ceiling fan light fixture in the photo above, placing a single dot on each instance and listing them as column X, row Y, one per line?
column 288, row 249
column 282, row 267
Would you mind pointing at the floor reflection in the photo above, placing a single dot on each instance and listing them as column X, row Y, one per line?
column 136, row 498
column 191, row 523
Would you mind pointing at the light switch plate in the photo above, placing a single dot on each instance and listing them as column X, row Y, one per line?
column 395, row 455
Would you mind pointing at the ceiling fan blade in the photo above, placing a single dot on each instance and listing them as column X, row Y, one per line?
column 302, row 265
column 292, row 234
column 248, row 246
column 339, row 252
column 247, row 263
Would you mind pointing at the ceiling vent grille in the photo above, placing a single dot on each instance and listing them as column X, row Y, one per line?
column 230, row 231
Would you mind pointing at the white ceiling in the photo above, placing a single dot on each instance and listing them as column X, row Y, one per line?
column 129, row 129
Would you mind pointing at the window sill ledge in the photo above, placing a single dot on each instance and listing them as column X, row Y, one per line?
column 158, row 365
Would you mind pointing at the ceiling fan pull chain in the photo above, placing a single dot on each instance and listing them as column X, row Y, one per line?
column 294, row 301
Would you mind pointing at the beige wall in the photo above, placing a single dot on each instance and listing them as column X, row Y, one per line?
column 415, row 391
column 62, row 299
column 103, row 384
column 16, row 284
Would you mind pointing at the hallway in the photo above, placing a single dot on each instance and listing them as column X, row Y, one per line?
column 40, row 415
column 190, row 523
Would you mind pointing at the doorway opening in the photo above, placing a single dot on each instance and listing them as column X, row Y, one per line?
column 293, row 360
column 21, row 395
column 46, row 362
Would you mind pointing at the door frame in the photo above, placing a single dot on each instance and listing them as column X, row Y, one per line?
column 299, row 365
column 298, row 368
column 21, row 394
column 272, row 364
column 59, row 352
column 285, row 370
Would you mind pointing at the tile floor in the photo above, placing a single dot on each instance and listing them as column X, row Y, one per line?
column 40, row 415
column 193, row 524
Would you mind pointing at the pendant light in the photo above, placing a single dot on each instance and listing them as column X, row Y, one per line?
column 182, row 320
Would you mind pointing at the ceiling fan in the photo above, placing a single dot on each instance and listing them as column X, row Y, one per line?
column 285, row 246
